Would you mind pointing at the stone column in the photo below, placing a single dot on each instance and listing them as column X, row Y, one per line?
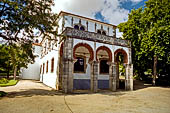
column 94, row 76
column 112, row 76
column 67, row 81
column 129, row 77
column 117, row 74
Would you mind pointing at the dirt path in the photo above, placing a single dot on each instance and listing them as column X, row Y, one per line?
column 34, row 97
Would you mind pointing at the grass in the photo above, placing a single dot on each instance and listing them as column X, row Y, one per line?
column 9, row 83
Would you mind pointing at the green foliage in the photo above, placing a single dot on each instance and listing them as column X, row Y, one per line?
column 4, row 82
column 21, row 21
column 2, row 93
column 20, row 18
column 149, row 32
column 15, row 56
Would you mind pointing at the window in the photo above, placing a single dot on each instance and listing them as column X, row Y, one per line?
column 79, row 27
column 40, row 69
column 103, row 33
column 104, row 67
column 43, row 67
column 82, row 28
column 76, row 27
column 47, row 67
column 36, row 41
column 52, row 65
column 98, row 31
column 79, row 65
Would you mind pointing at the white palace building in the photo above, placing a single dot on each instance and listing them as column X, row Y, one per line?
column 86, row 58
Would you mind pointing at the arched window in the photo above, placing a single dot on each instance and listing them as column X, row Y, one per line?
column 82, row 28
column 76, row 27
column 103, row 33
column 40, row 69
column 104, row 67
column 36, row 41
column 99, row 31
column 47, row 67
column 43, row 67
column 79, row 65
column 52, row 65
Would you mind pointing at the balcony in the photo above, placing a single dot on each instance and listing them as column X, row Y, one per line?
column 91, row 36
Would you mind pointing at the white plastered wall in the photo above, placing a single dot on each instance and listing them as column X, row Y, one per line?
column 33, row 70
column 50, row 78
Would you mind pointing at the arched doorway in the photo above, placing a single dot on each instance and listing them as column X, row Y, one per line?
column 83, row 54
column 104, row 57
column 121, row 59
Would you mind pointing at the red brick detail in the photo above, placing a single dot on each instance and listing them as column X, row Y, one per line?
column 107, row 50
column 61, row 50
column 116, row 53
column 86, row 46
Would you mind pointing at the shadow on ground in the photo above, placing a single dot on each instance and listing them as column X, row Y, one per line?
column 140, row 85
column 34, row 92
column 43, row 92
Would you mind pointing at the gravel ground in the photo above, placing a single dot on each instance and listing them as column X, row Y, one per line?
column 34, row 97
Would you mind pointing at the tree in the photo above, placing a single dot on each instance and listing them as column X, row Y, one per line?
column 4, row 60
column 149, row 31
column 19, row 19
column 15, row 56
column 20, row 56
column 20, row 22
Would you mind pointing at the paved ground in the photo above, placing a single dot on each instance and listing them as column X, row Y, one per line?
column 34, row 97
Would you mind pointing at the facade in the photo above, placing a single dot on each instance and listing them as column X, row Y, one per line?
column 85, row 57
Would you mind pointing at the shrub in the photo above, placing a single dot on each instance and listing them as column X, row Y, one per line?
column 4, row 81
column 2, row 93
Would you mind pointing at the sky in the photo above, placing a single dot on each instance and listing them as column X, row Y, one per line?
column 109, row 11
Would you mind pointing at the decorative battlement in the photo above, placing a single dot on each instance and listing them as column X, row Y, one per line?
column 84, row 35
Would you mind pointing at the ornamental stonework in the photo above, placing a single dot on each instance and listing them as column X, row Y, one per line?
column 85, row 35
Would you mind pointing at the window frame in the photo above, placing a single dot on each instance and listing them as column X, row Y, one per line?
column 43, row 68
column 52, row 65
column 47, row 66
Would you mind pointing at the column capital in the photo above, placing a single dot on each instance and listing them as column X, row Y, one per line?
column 75, row 60
column 111, row 63
column 92, row 62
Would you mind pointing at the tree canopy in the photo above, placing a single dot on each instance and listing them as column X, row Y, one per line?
column 20, row 22
column 148, row 29
column 19, row 19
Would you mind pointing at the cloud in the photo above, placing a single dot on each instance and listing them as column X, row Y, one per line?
column 109, row 9
column 86, row 8
column 113, row 13
column 136, row 1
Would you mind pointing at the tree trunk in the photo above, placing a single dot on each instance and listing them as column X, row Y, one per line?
column 8, row 72
column 15, row 72
column 8, row 69
column 154, row 70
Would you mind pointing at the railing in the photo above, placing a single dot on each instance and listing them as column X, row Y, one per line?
column 85, row 35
